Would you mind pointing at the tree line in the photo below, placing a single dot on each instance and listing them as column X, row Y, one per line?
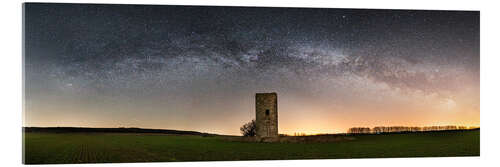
column 390, row 129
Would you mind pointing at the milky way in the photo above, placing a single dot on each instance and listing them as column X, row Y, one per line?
column 188, row 67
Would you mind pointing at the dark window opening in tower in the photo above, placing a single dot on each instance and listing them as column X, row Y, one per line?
column 267, row 112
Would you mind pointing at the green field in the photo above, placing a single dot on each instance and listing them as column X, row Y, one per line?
column 49, row 148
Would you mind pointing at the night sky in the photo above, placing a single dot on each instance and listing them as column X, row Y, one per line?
column 198, row 68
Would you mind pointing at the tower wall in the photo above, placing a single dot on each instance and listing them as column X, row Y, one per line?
column 266, row 110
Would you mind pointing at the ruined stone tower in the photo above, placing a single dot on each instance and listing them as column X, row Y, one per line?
column 266, row 114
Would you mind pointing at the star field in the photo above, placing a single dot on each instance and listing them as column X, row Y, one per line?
column 181, row 67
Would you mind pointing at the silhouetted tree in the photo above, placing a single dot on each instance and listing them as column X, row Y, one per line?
column 392, row 129
column 359, row 130
column 249, row 129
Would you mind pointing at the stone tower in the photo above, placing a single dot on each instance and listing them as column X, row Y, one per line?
column 266, row 114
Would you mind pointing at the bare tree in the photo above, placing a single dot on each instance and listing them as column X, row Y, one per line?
column 365, row 130
column 249, row 129
column 392, row 129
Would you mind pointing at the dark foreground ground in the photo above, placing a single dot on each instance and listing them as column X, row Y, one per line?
column 50, row 147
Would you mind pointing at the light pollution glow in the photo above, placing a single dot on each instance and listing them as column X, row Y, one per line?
column 198, row 69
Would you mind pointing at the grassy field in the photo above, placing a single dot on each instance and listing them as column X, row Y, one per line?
column 49, row 148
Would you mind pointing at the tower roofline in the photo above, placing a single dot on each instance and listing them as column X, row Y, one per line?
column 266, row 93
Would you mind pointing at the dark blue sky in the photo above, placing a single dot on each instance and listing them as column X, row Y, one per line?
column 197, row 68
